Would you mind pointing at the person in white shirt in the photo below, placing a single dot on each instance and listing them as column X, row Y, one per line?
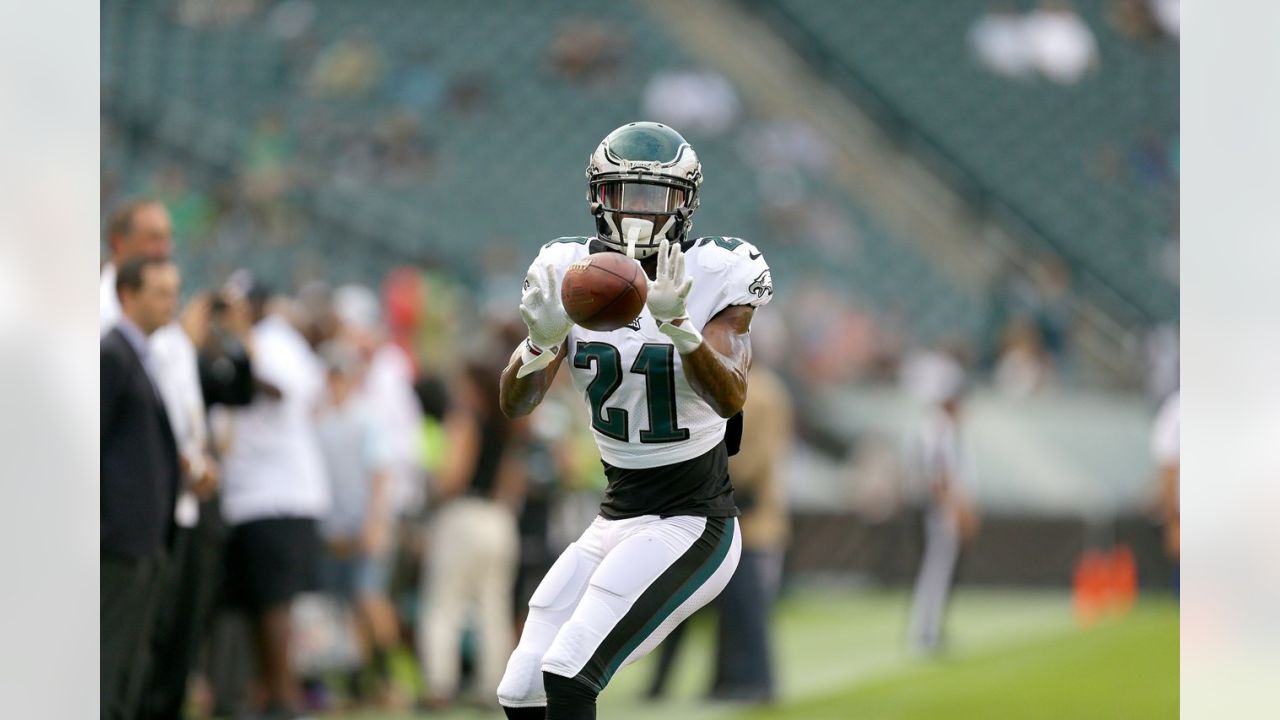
column 940, row 480
column 274, row 492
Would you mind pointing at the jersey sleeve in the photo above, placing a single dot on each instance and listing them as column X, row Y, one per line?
column 739, row 270
column 558, row 254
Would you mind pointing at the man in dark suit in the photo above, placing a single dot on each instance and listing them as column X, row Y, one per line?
column 139, row 480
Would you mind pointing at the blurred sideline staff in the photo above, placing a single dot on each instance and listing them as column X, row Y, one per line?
column 143, row 228
column 940, row 481
column 744, row 655
column 139, row 481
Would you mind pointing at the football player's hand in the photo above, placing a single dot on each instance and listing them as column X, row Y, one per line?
column 540, row 307
column 546, row 319
column 670, row 287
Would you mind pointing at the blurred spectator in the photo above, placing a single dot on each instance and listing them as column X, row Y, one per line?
column 1145, row 19
column 1054, row 306
column 588, row 51
column 1022, row 368
column 1133, row 18
column 351, row 67
column 220, row 326
column 474, row 543
column 316, row 319
column 1062, row 45
column 939, row 489
column 357, row 529
column 784, row 142
column 386, row 389
column 1165, row 450
column 203, row 14
column 418, row 85
column 696, row 101
column 1000, row 42
column 290, row 20
column 470, row 93
column 192, row 211
column 274, row 492
column 267, row 155
column 139, row 480
column 405, row 152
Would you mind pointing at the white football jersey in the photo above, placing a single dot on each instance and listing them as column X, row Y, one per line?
column 643, row 411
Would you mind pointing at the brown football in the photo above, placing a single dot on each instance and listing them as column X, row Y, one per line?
column 604, row 291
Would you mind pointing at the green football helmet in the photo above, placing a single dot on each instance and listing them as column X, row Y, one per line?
column 642, row 186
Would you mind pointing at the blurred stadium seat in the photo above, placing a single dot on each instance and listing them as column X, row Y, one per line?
column 1091, row 166
column 502, row 155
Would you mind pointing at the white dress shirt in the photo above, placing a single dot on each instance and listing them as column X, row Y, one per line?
column 273, row 466
column 171, row 361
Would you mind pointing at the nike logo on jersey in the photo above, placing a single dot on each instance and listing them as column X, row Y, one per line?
column 754, row 255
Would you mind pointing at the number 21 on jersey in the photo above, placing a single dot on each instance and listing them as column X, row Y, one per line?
column 656, row 361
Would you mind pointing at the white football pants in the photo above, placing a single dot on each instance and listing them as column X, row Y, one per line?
column 614, row 594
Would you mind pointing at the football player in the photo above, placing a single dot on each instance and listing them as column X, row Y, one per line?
column 661, row 393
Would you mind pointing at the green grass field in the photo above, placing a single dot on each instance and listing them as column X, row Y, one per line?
column 1012, row 654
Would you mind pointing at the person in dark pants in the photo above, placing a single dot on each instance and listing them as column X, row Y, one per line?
column 941, row 480
column 139, row 481
column 744, row 660
column 188, row 591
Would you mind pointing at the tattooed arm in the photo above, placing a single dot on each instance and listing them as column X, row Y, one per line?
column 717, row 369
column 518, row 396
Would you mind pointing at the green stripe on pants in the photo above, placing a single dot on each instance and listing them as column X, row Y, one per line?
column 672, row 588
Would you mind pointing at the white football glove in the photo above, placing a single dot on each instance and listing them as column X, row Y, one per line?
column 546, row 319
column 667, row 294
column 670, row 287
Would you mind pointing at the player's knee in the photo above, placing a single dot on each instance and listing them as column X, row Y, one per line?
column 521, row 684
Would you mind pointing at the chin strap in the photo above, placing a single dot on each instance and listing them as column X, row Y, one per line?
column 684, row 336
column 534, row 358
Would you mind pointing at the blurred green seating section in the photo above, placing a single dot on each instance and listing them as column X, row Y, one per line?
column 1092, row 166
column 339, row 139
